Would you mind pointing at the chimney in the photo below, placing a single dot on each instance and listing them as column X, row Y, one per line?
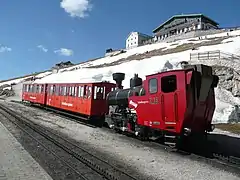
column 118, row 77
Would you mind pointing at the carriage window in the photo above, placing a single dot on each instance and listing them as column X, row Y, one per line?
column 51, row 91
column 153, row 85
column 31, row 90
column 113, row 88
column 169, row 84
column 64, row 90
column 75, row 91
column 98, row 92
column 60, row 90
column 72, row 91
column 57, row 90
column 37, row 89
column 80, row 91
column 89, row 91
column 54, row 89
column 34, row 87
column 104, row 92
column 42, row 88
column 85, row 90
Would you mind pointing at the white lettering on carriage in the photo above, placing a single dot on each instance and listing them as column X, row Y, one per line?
column 67, row 104
column 32, row 97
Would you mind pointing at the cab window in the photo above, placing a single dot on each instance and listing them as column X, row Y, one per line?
column 169, row 84
column 153, row 86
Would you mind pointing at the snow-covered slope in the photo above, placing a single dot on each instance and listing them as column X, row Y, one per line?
column 20, row 80
column 155, row 58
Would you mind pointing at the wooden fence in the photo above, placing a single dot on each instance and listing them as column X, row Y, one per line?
column 212, row 55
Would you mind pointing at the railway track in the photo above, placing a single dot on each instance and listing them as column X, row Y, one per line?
column 218, row 159
column 103, row 168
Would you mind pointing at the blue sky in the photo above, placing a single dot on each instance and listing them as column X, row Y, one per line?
column 36, row 34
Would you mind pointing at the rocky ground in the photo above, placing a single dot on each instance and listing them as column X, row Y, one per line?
column 6, row 91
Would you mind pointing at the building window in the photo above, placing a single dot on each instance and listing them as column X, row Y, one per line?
column 169, row 84
column 153, row 85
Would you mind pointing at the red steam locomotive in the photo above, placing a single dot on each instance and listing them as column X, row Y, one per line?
column 173, row 105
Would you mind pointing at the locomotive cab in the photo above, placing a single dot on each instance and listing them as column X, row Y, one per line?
column 179, row 102
column 164, row 103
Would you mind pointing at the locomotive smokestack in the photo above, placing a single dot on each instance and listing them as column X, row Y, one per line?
column 118, row 77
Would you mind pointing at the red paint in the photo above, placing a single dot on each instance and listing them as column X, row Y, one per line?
column 179, row 109
column 69, row 97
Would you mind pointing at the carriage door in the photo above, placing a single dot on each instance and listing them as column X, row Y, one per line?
column 87, row 99
column 169, row 101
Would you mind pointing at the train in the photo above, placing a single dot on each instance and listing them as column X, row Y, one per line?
column 173, row 106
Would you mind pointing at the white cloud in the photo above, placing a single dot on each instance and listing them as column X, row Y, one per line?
column 64, row 52
column 5, row 49
column 76, row 8
column 42, row 48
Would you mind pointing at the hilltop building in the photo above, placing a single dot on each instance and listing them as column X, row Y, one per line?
column 179, row 24
column 136, row 39
column 176, row 28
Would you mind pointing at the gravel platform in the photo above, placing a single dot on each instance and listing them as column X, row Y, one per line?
column 155, row 163
column 16, row 162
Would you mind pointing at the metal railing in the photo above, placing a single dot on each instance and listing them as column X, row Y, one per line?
column 212, row 55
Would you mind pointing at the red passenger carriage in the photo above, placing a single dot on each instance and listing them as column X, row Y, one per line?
column 86, row 99
column 34, row 93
